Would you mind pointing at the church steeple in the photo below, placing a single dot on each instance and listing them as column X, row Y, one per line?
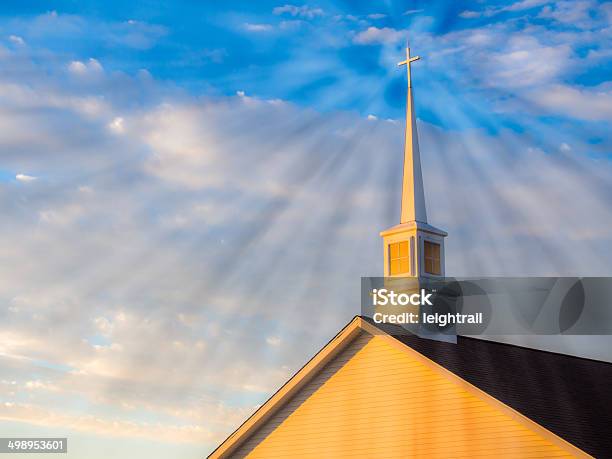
column 413, row 248
column 413, row 195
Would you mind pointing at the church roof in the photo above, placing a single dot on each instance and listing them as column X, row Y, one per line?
column 570, row 396
column 567, row 396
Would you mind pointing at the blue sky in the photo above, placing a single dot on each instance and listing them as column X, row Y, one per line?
column 191, row 191
column 477, row 71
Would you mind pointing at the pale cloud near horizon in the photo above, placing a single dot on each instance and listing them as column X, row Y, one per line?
column 109, row 427
column 178, row 252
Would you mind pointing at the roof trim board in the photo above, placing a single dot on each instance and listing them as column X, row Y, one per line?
column 292, row 386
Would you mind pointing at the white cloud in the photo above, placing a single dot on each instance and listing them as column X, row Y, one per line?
column 25, row 178
column 273, row 340
column 91, row 67
column 136, row 34
column 17, row 40
column 116, row 125
column 291, row 24
column 593, row 104
column 303, row 11
column 132, row 34
column 257, row 27
column 41, row 385
column 52, row 418
column 372, row 117
column 578, row 13
column 470, row 14
column 525, row 62
column 524, row 5
column 376, row 16
column 61, row 216
column 599, row 54
column 374, row 35
column 513, row 7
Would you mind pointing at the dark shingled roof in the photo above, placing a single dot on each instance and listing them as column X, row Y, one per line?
column 570, row 396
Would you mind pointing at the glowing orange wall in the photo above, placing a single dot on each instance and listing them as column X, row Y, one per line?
column 376, row 400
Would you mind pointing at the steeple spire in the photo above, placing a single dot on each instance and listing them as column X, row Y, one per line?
column 413, row 248
column 413, row 195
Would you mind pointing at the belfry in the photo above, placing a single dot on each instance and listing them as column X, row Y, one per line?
column 413, row 248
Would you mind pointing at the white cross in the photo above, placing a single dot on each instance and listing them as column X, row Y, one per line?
column 407, row 63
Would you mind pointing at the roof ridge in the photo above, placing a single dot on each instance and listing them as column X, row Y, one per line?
column 474, row 338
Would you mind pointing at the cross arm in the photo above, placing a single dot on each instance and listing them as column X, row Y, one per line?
column 408, row 61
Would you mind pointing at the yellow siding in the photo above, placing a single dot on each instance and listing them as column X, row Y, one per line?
column 375, row 400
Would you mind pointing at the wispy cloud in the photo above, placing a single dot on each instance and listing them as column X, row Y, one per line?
column 16, row 39
column 91, row 67
column 257, row 27
column 584, row 13
column 50, row 418
column 374, row 35
column 585, row 103
column 467, row 14
column 25, row 178
column 116, row 125
column 512, row 7
column 303, row 11
column 273, row 340
column 53, row 25
column 526, row 62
